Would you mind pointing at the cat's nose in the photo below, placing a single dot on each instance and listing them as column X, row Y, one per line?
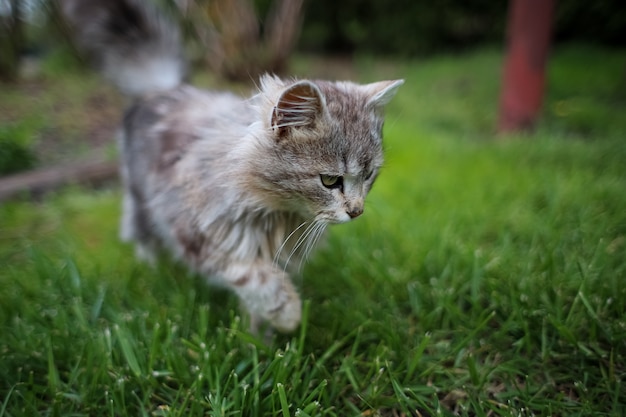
column 355, row 212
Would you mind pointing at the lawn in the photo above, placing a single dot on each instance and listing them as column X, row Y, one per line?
column 487, row 276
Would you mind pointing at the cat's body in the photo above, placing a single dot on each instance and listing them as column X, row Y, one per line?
column 233, row 187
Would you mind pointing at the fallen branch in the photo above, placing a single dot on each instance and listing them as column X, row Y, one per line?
column 92, row 170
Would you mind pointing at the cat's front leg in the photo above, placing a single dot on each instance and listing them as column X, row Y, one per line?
column 266, row 292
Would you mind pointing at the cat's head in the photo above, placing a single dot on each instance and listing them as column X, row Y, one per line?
column 322, row 145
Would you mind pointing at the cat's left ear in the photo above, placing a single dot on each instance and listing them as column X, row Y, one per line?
column 300, row 105
column 381, row 93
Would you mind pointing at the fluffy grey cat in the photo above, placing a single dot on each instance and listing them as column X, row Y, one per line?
column 232, row 187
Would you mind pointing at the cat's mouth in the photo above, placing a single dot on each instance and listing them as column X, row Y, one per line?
column 333, row 217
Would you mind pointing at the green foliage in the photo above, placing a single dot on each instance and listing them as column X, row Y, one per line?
column 61, row 60
column 485, row 278
column 15, row 147
column 598, row 22
column 414, row 27
column 406, row 27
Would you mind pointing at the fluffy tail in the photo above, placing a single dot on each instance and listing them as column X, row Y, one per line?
column 138, row 48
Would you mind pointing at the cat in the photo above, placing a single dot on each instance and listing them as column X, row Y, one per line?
column 235, row 188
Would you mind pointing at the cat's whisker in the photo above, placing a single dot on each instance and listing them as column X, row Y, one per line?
column 318, row 233
column 312, row 242
column 300, row 241
column 307, row 244
column 280, row 249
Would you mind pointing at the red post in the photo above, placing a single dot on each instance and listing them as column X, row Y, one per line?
column 528, row 44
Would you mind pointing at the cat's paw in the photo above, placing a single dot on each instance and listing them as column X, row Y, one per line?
column 269, row 296
column 286, row 316
column 145, row 254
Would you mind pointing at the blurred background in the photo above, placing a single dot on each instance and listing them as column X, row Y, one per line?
column 486, row 278
column 231, row 42
column 260, row 34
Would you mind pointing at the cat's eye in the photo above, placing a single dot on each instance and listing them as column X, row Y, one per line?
column 331, row 181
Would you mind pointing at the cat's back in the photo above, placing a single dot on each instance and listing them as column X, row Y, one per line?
column 161, row 129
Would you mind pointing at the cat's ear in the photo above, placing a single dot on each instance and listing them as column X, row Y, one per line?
column 382, row 92
column 300, row 105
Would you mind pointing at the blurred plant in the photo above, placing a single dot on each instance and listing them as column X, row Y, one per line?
column 15, row 148
column 234, row 41
column 227, row 35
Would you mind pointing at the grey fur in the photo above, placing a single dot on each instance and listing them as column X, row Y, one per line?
column 231, row 186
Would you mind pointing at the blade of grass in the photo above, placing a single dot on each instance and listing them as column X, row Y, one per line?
column 283, row 400
column 128, row 351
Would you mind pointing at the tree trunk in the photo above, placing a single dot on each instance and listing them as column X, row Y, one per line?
column 529, row 30
column 11, row 38
column 91, row 170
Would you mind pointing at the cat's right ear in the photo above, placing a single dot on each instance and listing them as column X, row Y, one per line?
column 300, row 105
column 382, row 92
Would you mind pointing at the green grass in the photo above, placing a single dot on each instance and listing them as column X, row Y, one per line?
column 15, row 148
column 486, row 277
column 62, row 114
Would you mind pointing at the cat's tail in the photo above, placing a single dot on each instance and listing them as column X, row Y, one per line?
column 135, row 45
